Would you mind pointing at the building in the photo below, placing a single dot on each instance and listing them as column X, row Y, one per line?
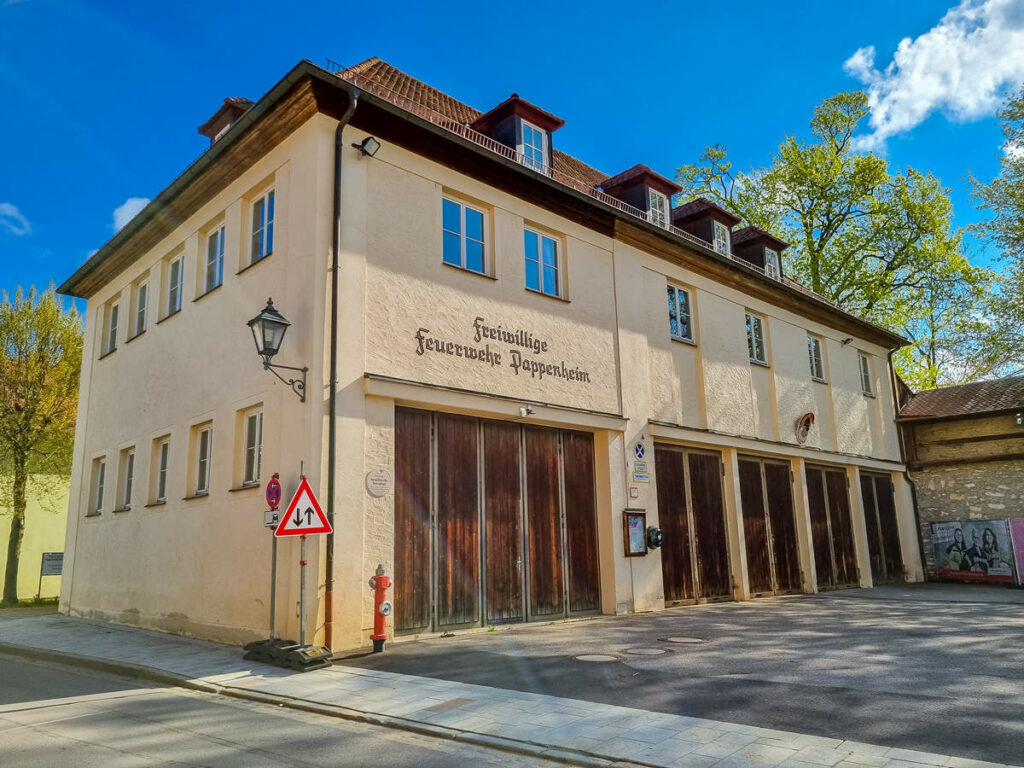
column 965, row 455
column 526, row 348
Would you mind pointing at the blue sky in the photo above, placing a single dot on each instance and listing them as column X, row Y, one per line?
column 101, row 100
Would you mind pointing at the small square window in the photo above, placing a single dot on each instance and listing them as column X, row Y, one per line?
column 866, row 386
column 680, row 322
column 262, row 243
column 816, row 358
column 543, row 271
column 464, row 240
column 756, row 346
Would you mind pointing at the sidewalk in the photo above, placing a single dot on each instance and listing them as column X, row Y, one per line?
column 568, row 730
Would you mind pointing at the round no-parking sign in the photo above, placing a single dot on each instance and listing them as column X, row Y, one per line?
column 274, row 492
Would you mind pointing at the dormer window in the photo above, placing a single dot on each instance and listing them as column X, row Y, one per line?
column 762, row 250
column 657, row 207
column 721, row 233
column 534, row 147
column 771, row 263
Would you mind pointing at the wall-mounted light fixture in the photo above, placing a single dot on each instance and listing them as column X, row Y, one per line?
column 268, row 329
column 368, row 146
column 524, row 411
column 847, row 340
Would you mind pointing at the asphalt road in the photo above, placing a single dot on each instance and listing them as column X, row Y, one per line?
column 62, row 716
column 941, row 675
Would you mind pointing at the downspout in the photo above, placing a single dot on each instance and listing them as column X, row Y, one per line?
column 894, row 384
column 332, row 429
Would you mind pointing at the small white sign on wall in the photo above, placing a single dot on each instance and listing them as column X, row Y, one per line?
column 379, row 482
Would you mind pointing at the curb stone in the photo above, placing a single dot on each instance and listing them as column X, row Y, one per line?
column 128, row 669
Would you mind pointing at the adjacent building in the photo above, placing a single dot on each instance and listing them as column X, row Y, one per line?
column 517, row 365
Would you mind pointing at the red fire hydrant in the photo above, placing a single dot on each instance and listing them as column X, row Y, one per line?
column 382, row 608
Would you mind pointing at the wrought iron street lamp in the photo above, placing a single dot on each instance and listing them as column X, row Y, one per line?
column 268, row 328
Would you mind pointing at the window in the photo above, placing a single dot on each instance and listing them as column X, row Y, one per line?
column 174, row 283
column 534, row 147
column 141, row 307
column 162, row 455
column 110, row 342
column 541, row 263
column 128, row 473
column 771, row 263
column 721, row 237
column 755, row 340
column 99, row 476
column 680, row 324
column 262, row 228
column 657, row 207
column 815, row 357
column 214, row 259
column 463, row 236
column 865, row 375
column 204, row 448
column 253, row 452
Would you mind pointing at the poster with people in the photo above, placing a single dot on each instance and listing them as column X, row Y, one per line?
column 974, row 550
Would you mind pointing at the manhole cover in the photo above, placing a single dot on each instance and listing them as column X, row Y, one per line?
column 685, row 640
column 595, row 657
column 646, row 651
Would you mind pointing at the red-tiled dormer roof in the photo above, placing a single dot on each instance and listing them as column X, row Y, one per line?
column 974, row 399
column 754, row 234
column 638, row 174
column 381, row 78
column 701, row 206
column 514, row 104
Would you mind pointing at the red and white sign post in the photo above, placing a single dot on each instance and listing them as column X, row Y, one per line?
column 304, row 517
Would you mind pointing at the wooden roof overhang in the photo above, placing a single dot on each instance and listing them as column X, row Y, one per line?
column 307, row 89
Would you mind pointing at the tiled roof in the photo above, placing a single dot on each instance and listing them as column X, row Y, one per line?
column 377, row 72
column 974, row 399
column 755, row 233
column 633, row 173
column 699, row 205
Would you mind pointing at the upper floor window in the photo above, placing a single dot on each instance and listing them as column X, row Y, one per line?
column 721, row 237
column 771, row 263
column 680, row 323
column 534, row 147
column 161, row 460
column 657, row 207
column 175, row 280
column 128, row 473
column 110, row 339
column 816, row 358
column 99, row 478
column 865, row 375
column 252, row 451
column 756, row 346
column 464, row 236
column 204, row 447
column 214, row 259
column 262, row 228
column 541, row 263
column 141, row 307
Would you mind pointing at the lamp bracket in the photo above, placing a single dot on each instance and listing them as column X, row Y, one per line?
column 298, row 386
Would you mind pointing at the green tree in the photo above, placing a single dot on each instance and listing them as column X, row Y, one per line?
column 869, row 238
column 39, row 370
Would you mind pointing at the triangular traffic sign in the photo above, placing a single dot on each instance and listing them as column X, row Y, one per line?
column 304, row 516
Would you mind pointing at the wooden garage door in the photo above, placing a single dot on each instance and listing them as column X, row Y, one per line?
column 694, row 556
column 503, row 522
column 835, row 562
column 412, row 585
column 883, row 528
column 769, row 527
column 581, row 521
column 543, row 523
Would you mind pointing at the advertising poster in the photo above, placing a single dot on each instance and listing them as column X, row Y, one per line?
column 974, row 550
column 1017, row 536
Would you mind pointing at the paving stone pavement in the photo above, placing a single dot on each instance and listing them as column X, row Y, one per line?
column 565, row 727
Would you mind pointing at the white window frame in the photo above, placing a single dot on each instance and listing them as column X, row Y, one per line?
column 816, row 357
column 464, row 237
column 141, row 307
column 723, row 244
column 252, row 445
column 261, row 248
column 175, row 287
column 539, row 260
column 99, row 482
column 674, row 295
column 214, row 260
column 129, row 479
column 755, row 333
column 163, row 461
column 113, row 318
column 528, row 160
column 771, row 264
column 657, row 207
column 866, row 379
column 203, row 459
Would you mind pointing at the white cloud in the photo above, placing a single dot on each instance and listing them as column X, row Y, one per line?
column 127, row 211
column 962, row 67
column 12, row 220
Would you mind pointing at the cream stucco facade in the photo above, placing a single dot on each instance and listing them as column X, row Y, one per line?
column 600, row 360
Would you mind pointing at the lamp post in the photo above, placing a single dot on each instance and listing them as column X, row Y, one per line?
column 268, row 329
